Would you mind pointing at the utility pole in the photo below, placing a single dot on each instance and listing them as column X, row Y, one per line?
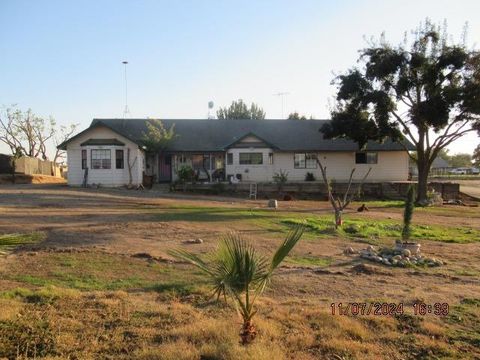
column 282, row 95
column 126, row 110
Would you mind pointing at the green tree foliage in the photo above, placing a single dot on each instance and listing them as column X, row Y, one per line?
column 296, row 116
column 476, row 156
column 408, row 213
column 460, row 160
column 427, row 92
column 240, row 110
column 157, row 137
column 238, row 271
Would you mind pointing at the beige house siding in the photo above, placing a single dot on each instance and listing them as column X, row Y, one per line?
column 106, row 177
column 391, row 166
column 259, row 173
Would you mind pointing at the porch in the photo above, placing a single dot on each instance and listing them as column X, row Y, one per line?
column 163, row 167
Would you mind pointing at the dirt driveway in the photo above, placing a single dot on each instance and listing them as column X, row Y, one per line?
column 470, row 187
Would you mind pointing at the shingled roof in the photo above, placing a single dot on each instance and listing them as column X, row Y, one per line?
column 216, row 135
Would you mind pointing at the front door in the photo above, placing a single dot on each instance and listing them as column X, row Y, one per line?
column 164, row 168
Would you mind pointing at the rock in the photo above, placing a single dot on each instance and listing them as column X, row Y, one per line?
column 272, row 203
column 195, row 241
column 397, row 257
column 349, row 251
column 406, row 253
column 386, row 262
column 394, row 262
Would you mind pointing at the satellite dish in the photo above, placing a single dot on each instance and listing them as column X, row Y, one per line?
column 210, row 104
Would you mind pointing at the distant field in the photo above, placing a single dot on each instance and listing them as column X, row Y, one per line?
column 86, row 274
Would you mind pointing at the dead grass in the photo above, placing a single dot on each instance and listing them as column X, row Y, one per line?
column 124, row 326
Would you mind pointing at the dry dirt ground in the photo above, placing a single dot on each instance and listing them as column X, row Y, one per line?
column 121, row 223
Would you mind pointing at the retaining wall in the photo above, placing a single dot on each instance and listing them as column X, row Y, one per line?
column 384, row 190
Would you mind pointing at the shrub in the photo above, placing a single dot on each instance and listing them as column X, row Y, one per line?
column 185, row 174
column 280, row 178
column 309, row 176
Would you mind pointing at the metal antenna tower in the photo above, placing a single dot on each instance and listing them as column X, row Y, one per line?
column 126, row 110
column 282, row 95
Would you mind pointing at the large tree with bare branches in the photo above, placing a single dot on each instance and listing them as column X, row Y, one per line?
column 25, row 132
column 61, row 135
column 427, row 92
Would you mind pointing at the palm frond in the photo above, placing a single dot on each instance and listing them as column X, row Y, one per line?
column 237, row 270
column 192, row 259
column 290, row 241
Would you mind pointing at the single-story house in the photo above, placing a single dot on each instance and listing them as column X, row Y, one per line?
column 236, row 150
column 439, row 167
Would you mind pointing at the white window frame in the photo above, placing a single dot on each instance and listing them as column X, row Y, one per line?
column 101, row 159
column 250, row 158
column 304, row 161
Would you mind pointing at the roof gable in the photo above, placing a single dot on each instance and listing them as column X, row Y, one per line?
column 93, row 125
column 250, row 139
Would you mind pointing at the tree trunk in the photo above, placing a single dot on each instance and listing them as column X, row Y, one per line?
column 423, row 170
column 248, row 332
column 338, row 219
column 14, row 168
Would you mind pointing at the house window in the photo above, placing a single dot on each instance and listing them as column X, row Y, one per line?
column 366, row 158
column 84, row 159
column 305, row 161
column 251, row 158
column 229, row 159
column 119, row 159
column 270, row 158
column 101, row 159
column 310, row 161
